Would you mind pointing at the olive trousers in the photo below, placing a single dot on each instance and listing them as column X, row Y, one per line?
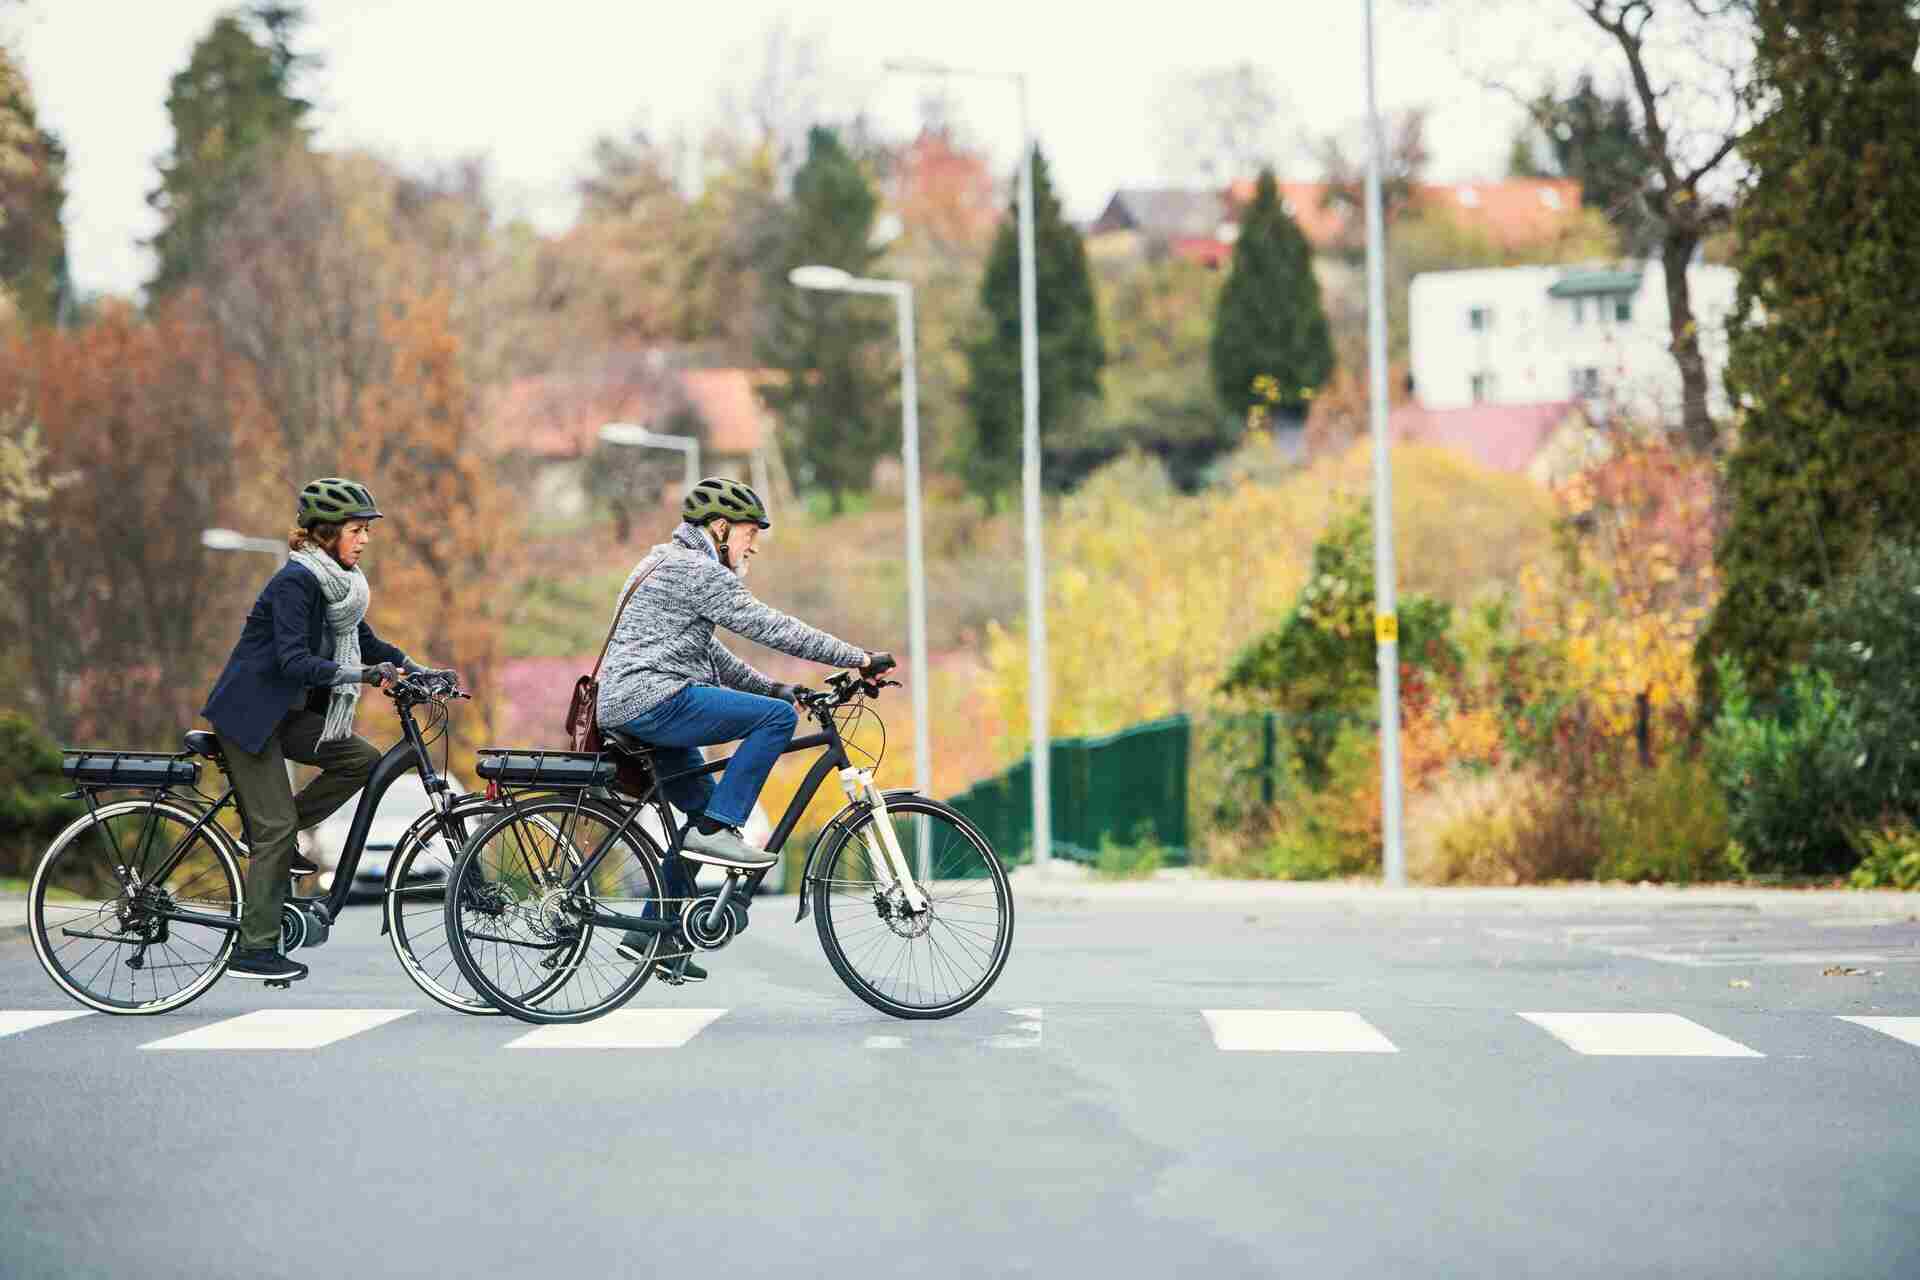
column 273, row 814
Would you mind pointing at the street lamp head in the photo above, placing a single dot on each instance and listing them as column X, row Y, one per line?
column 625, row 433
column 815, row 277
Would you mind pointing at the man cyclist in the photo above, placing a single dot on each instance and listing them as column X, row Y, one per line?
column 668, row 682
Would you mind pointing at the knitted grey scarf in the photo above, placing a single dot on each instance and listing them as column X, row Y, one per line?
column 347, row 596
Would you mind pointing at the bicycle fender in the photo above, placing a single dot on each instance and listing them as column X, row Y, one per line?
column 840, row 822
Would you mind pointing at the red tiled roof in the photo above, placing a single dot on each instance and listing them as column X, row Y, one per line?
column 1501, row 437
column 1514, row 211
column 559, row 415
column 725, row 400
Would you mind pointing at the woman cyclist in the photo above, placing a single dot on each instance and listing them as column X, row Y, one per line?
column 289, row 692
column 668, row 682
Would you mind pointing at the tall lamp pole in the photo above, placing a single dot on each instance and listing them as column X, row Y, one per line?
column 834, row 280
column 1386, row 628
column 1037, row 671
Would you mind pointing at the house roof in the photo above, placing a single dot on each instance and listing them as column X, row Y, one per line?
column 559, row 415
column 1500, row 437
column 725, row 400
column 1582, row 283
column 1513, row 211
column 1169, row 213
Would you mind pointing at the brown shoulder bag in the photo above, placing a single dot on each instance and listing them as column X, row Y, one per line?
column 583, row 714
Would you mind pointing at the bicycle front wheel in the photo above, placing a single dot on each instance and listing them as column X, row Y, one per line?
column 929, row 964
column 415, row 902
column 524, row 939
column 105, row 903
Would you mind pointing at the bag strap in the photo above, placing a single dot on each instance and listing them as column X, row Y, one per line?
column 658, row 560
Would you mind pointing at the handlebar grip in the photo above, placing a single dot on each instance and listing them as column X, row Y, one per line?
column 878, row 663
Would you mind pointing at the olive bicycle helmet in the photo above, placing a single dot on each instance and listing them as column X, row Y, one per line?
column 717, row 498
column 330, row 500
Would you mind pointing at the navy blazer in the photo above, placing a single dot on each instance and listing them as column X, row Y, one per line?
column 285, row 651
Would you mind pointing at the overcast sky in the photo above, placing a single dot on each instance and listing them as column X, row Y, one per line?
column 423, row 81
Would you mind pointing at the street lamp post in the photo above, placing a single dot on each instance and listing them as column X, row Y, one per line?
column 1386, row 628
column 834, row 280
column 1037, row 672
column 634, row 435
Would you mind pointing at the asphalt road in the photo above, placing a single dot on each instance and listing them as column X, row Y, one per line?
column 1140, row 1096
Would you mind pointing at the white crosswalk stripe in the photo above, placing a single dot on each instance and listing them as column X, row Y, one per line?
column 623, row 1029
column 281, row 1029
column 1907, row 1029
column 1294, row 1031
column 1661, row 1035
column 13, row 1021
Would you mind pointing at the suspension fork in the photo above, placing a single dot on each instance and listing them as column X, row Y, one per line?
column 883, row 849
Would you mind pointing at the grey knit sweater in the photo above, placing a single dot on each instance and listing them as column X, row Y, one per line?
column 663, row 640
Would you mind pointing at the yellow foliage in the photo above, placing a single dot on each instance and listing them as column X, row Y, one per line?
column 1151, row 593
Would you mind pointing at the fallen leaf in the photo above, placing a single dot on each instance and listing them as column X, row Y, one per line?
column 1842, row 971
column 1741, row 983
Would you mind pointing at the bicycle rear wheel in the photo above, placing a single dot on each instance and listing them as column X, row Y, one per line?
column 524, row 940
column 117, row 949
column 928, row 965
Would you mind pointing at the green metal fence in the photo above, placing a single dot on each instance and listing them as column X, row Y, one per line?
column 1116, row 788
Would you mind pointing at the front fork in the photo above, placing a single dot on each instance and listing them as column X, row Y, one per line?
column 883, row 849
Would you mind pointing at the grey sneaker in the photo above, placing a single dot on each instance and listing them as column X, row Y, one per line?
column 725, row 848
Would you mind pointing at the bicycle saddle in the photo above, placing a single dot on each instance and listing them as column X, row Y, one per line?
column 202, row 743
column 626, row 743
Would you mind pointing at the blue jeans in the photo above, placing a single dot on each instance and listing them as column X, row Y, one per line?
column 701, row 715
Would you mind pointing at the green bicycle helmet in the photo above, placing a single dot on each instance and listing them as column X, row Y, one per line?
column 717, row 498
column 330, row 500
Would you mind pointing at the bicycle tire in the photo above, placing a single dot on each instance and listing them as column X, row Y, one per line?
column 846, row 903
column 495, row 912
column 418, row 935
column 61, row 900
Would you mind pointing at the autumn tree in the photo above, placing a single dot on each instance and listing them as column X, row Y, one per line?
column 1827, row 321
column 446, row 553
column 297, row 287
column 234, row 97
column 123, row 615
column 836, row 398
column 34, row 283
column 1270, row 322
column 1067, row 323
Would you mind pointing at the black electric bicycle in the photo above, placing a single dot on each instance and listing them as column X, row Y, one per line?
column 911, row 903
column 135, row 907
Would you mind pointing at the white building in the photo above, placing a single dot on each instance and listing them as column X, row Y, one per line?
column 1531, row 335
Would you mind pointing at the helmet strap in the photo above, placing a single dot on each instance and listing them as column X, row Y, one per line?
column 720, row 541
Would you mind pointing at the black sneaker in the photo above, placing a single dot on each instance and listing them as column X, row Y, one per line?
column 260, row 962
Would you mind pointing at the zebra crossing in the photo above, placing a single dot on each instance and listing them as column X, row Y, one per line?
column 1275, row 1031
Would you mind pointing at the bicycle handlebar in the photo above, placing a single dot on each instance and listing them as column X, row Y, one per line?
column 422, row 687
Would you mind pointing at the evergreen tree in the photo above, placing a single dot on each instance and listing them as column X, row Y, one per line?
column 838, row 402
column 234, row 95
column 1269, row 323
column 1067, row 325
column 33, row 243
column 1824, row 360
column 1592, row 138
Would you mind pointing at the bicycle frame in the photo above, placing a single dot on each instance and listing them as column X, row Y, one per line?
column 858, row 784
